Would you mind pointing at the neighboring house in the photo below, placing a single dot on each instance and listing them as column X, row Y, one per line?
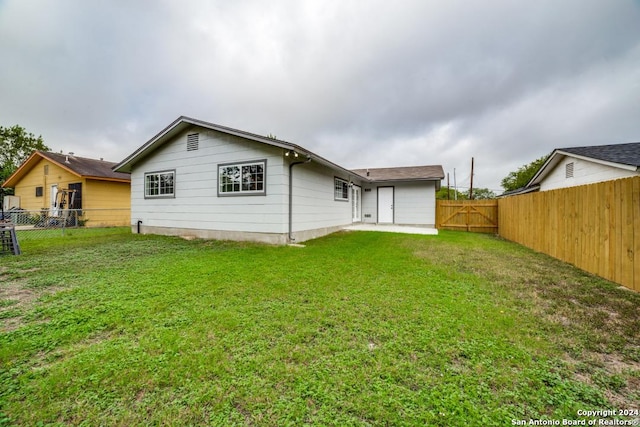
column 102, row 195
column 570, row 167
column 200, row 179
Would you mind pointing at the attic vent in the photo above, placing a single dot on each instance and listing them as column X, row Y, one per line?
column 192, row 142
column 569, row 170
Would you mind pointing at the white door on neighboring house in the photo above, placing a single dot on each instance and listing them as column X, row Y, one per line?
column 385, row 205
column 54, row 198
column 356, row 201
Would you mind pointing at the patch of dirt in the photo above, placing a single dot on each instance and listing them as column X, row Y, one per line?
column 16, row 291
column 17, row 297
column 615, row 364
column 611, row 365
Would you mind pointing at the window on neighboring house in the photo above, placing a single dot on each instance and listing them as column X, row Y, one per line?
column 159, row 184
column 39, row 192
column 341, row 189
column 569, row 170
column 193, row 141
column 242, row 178
column 75, row 194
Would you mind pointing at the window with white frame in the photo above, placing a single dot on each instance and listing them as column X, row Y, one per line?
column 159, row 184
column 341, row 189
column 242, row 178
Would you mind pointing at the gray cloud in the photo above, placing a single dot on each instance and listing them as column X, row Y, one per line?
column 362, row 83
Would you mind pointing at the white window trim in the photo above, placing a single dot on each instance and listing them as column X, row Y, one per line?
column 240, row 191
column 164, row 195
column 340, row 197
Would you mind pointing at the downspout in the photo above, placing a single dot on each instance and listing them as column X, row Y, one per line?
column 291, row 239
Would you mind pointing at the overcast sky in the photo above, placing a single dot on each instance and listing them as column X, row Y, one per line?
column 363, row 83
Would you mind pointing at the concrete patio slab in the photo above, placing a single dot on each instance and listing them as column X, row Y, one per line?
column 392, row 228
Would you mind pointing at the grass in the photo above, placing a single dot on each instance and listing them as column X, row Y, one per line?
column 101, row 327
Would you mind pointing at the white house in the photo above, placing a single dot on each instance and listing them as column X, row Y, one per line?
column 205, row 180
column 570, row 167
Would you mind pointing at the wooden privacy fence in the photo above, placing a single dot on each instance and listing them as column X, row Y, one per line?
column 470, row 215
column 595, row 227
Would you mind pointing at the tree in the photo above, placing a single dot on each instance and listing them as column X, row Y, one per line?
column 483, row 194
column 441, row 194
column 523, row 175
column 15, row 146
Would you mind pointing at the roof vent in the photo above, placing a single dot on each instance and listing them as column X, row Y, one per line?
column 66, row 159
column 569, row 170
column 367, row 172
column 192, row 142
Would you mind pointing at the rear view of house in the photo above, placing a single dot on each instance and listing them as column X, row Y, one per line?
column 48, row 182
column 210, row 181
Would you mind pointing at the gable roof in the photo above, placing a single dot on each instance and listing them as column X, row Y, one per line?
column 183, row 123
column 408, row 173
column 80, row 166
column 623, row 156
column 424, row 173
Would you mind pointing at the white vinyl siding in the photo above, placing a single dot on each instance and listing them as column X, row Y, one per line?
column 196, row 204
column 414, row 203
column 369, row 203
column 314, row 204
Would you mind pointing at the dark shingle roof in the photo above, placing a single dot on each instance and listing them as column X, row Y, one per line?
column 626, row 154
column 86, row 167
column 409, row 173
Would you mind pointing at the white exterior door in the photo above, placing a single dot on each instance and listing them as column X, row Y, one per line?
column 385, row 205
column 54, row 198
column 356, row 202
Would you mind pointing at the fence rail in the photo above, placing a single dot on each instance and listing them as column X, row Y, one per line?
column 595, row 227
column 48, row 222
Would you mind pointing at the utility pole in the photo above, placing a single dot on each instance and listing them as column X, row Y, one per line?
column 455, row 185
column 448, row 188
column 471, row 186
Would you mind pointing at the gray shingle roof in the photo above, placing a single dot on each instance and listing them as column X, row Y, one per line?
column 86, row 167
column 409, row 173
column 626, row 154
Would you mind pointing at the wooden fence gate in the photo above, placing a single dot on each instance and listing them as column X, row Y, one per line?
column 480, row 216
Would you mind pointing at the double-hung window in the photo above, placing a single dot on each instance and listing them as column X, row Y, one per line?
column 159, row 184
column 341, row 189
column 242, row 178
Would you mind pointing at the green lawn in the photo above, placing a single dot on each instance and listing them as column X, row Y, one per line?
column 102, row 327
